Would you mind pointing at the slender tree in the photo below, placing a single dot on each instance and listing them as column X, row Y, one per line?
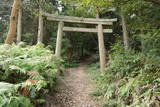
column 125, row 33
column 19, row 26
column 13, row 22
column 40, row 27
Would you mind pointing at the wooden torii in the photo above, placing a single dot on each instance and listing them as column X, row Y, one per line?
column 76, row 20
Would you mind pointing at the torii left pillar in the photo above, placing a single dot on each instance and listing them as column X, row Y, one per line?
column 59, row 39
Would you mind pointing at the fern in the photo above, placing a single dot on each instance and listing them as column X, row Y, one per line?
column 28, row 73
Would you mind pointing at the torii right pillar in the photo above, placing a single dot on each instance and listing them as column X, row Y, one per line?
column 102, row 51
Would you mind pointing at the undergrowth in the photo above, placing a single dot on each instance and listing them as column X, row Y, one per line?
column 26, row 74
column 131, row 79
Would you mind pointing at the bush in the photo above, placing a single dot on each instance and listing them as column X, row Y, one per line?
column 34, row 70
column 130, row 79
column 147, row 43
column 10, row 98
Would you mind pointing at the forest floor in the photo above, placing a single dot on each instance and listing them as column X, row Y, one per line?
column 74, row 89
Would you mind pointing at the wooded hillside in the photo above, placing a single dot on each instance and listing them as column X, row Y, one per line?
column 115, row 42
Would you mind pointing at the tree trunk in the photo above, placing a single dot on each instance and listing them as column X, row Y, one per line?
column 13, row 22
column 40, row 28
column 125, row 33
column 19, row 26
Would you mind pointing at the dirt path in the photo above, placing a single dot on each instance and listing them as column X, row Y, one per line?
column 74, row 89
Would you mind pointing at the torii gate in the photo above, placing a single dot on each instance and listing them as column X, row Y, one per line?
column 76, row 20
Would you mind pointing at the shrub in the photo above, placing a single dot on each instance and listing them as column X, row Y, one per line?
column 10, row 98
column 33, row 69
column 130, row 79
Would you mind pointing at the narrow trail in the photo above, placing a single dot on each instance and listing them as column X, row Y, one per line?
column 74, row 89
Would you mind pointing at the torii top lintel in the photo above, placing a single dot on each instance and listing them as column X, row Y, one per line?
column 71, row 19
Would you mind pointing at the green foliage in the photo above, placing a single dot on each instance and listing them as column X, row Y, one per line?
column 72, row 64
column 10, row 98
column 90, row 5
column 151, row 42
column 34, row 68
column 147, row 43
column 27, row 37
column 130, row 79
column 92, row 67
